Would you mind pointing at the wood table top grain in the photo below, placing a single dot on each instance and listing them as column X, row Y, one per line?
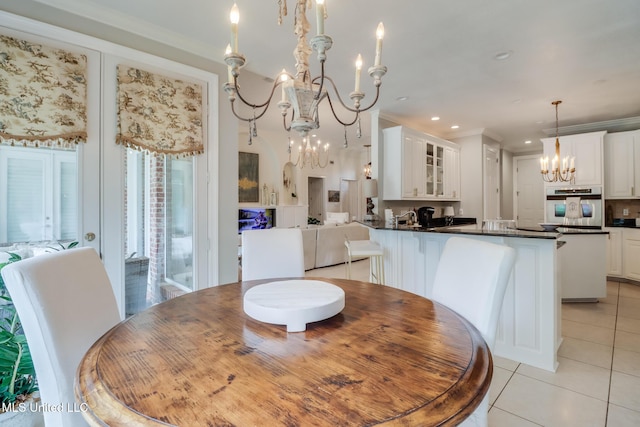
column 389, row 358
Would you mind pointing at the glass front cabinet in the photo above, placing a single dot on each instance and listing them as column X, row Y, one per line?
column 419, row 166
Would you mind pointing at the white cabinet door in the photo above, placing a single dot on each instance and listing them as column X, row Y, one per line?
column 586, row 149
column 614, row 252
column 413, row 167
column 452, row 173
column 631, row 254
column 618, row 164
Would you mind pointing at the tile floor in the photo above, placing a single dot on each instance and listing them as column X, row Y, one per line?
column 598, row 381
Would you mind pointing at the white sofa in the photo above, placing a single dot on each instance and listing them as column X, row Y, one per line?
column 324, row 245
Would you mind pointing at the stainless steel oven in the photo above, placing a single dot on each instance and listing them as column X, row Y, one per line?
column 577, row 207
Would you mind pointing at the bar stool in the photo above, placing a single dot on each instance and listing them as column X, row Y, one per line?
column 366, row 249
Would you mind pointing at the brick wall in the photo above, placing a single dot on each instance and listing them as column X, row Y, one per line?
column 157, row 198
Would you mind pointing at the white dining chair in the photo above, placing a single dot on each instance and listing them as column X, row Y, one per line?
column 272, row 253
column 471, row 279
column 65, row 303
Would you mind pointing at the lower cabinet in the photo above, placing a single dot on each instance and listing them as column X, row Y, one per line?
column 614, row 252
column 631, row 254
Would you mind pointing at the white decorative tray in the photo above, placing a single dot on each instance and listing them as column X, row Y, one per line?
column 293, row 302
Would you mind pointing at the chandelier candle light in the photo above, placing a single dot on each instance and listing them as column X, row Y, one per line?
column 568, row 171
column 301, row 92
column 310, row 155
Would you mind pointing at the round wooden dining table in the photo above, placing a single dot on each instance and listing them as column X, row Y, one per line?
column 389, row 358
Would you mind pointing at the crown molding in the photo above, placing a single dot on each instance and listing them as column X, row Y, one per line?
column 617, row 125
column 475, row 132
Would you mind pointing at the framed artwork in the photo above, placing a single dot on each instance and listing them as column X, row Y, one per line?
column 334, row 196
column 248, row 178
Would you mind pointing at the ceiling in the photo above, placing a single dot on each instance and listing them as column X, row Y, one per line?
column 441, row 55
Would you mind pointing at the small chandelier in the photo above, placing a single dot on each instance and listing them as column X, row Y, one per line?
column 367, row 167
column 309, row 154
column 301, row 91
column 564, row 173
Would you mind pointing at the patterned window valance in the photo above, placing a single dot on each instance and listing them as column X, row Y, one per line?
column 159, row 114
column 43, row 94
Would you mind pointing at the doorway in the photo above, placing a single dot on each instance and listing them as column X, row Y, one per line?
column 528, row 191
column 316, row 201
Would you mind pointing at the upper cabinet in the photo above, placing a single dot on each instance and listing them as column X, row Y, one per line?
column 586, row 149
column 622, row 165
column 418, row 166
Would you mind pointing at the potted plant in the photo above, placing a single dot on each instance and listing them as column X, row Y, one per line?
column 17, row 374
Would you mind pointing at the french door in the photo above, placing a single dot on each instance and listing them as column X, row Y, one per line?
column 48, row 194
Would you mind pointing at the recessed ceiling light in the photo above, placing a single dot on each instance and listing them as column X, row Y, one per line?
column 455, row 127
column 435, row 118
column 528, row 142
column 501, row 56
column 402, row 98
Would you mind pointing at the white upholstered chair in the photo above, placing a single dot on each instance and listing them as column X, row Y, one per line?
column 65, row 303
column 272, row 253
column 471, row 279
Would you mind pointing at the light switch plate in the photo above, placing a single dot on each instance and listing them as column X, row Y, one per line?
column 625, row 212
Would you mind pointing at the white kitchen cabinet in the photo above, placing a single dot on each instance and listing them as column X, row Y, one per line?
column 614, row 252
column 631, row 253
column 621, row 160
column 417, row 166
column 586, row 149
column 452, row 173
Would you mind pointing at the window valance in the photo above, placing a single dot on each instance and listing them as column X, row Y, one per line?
column 159, row 114
column 43, row 94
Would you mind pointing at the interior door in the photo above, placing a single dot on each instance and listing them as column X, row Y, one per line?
column 529, row 191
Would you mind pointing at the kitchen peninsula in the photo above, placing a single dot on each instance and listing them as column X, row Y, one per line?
column 529, row 328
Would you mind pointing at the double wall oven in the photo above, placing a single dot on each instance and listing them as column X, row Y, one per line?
column 579, row 207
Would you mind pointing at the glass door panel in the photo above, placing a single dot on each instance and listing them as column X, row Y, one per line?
column 159, row 225
column 439, row 171
column 430, row 169
column 38, row 195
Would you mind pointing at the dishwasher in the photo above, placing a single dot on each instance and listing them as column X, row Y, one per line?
column 582, row 265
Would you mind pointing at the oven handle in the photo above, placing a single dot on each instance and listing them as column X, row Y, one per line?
column 582, row 197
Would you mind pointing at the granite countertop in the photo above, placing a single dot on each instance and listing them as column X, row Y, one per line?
column 623, row 222
column 456, row 229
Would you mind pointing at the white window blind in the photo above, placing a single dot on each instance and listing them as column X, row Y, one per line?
column 38, row 195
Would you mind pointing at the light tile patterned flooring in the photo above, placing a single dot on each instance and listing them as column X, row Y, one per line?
column 598, row 381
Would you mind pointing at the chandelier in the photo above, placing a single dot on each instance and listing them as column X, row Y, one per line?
column 301, row 92
column 309, row 154
column 564, row 173
column 367, row 167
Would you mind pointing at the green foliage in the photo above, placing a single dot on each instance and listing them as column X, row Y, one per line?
column 17, row 374
column 312, row 220
column 63, row 247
